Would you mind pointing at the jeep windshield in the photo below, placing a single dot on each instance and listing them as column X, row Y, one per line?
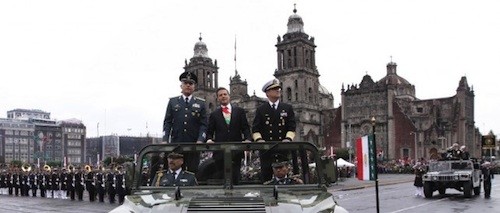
column 228, row 165
column 438, row 166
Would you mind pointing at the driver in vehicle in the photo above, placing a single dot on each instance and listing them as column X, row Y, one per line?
column 174, row 175
column 281, row 176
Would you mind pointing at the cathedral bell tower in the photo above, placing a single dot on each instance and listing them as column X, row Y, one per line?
column 299, row 78
column 207, row 71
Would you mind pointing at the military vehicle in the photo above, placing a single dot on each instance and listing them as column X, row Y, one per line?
column 459, row 174
column 238, row 185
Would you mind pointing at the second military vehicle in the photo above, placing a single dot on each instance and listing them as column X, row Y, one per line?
column 459, row 174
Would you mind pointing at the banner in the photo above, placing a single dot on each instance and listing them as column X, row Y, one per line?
column 366, row 164
column 488, row 142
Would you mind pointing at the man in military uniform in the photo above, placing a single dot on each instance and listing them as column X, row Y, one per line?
column 63, row 178
column 33, row 182
column 90, row 185
column 120, row 184
column 145, row 180
column 23, row 176
column 186, row 119
column 16, row 181
column 55, row 184
column 174, row 175
column 100, row 184
column 3, row 182
column 79, row 183
column 487, row 176
column 111, row 186
column 274, row 121
column 281, row 172
column 70, row 183
column 42, row 183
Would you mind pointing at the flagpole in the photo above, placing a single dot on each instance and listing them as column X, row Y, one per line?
column 375, row 173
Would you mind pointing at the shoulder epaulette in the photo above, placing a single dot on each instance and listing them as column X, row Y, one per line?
column 198, row 98
column 188, row 172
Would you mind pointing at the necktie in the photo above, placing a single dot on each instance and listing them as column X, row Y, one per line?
column 226, row 114
column 173, row 175
column 187, row 101
column 274, row 106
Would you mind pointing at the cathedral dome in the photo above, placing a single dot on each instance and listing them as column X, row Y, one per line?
column 392, row 78
column 323, row 90
column 200, row 49
column 295, row 23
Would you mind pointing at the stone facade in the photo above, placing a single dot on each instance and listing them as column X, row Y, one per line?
column 407, row 127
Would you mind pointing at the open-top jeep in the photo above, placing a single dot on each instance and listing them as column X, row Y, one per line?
column 238, row 184
column 462, row 175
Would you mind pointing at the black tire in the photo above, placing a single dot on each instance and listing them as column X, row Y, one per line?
column 428, row 190
column 468, row 189
column 477, row 190
column 442, row 190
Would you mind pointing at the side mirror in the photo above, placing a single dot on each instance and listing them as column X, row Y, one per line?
column 329, row 169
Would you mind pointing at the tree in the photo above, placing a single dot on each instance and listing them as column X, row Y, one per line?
column 342, row 153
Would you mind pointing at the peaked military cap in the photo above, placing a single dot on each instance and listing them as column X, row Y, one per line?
column 188, row 77
column 271, row 84
column 279, row 160
column 174, row 155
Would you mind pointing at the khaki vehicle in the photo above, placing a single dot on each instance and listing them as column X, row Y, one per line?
column 462, row 175
column 222, row 187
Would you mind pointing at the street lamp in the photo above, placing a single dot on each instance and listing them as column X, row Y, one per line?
column 374, row 153
column 415, row 140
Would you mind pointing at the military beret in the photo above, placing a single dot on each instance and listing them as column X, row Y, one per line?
column 270, row 85
column 279, row 160
column 188, row 77
column 174, row 155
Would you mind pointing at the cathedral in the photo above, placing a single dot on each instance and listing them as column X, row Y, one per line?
column 405, row 127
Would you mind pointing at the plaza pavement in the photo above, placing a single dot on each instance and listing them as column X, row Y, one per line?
column 352, row 183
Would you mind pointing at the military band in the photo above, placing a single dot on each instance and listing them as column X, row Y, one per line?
column 64, row 183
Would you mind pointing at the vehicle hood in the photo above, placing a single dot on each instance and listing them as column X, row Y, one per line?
column 453, row 172
column 302, row 199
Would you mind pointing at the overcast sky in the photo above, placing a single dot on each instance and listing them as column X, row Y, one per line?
column 116, row 63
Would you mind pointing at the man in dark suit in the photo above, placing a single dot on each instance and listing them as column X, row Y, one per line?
column 186, row 119
column 174, row 175
column 274, row 121
column 228, row 123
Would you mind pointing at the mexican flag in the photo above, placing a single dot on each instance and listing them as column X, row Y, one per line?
column 366, row 159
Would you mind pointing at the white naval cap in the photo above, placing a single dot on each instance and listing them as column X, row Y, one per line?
column 271, row 84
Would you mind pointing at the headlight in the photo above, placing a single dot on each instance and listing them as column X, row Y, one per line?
column 456, row 177
column 464, row 176
column 434, row 177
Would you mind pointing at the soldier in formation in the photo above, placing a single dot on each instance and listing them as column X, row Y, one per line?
column 61, row 183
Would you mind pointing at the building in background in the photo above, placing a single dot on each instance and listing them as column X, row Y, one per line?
column 26, row 114
column 100, row 148
column 73, row 141
column 407, row 127
column 16, row 141
column 31, row 136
